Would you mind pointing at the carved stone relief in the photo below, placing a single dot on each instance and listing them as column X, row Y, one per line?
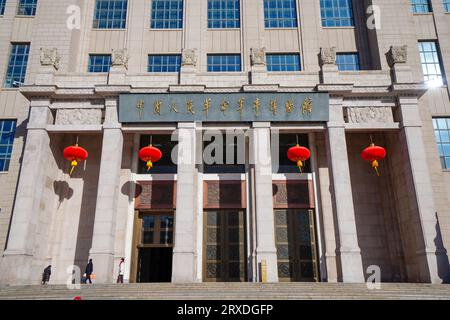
column 78, row 116
column 370, row 115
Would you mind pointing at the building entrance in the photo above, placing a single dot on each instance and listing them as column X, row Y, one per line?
column 224, row 246
column 154, row 247
column 296, row 245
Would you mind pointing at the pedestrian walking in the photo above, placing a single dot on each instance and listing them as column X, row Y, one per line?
column 121, row 270
column 89, row 271
column 46, row 275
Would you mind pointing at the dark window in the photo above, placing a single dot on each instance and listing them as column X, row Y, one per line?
column 2, row 7
column 166, row 145
column 110, row 14
column 287, row 141
column 27, row 8
column 7, row 132
column 99, row 63
column 227, row 157
column 336, row 13
column 17, row 66
column 224, row 63
column 280, row 14
column 164, row 63
column 348, row 61
column 167, row 14
column 420, row 6
column 223, row 14
column 283, row 62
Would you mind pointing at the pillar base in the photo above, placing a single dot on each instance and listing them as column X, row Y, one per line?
column 352, row 270
column 17, row 269
column 103, row 267
column 270, row 256
column 183, row 267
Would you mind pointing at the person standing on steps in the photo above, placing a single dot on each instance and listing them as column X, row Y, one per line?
column 89, row 271
column 46, row 275
column 121, row 270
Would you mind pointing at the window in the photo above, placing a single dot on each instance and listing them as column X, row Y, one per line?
column 285, row 142
column 446, row 4
column 420, row 6
column 348, row 61
column 167, row 14
column 280, row 14
column 224, row 63
column 430, row 62
column 110, row 14
column 99, row 63
column 336, row 13
column 223, row 153
column 442, row 134
column 166, row 145
column 17, row 67
column 27, row 8
column 7, row 132
column 2, row 7
column 223, row 14
column 283, row 62
column 164, row 63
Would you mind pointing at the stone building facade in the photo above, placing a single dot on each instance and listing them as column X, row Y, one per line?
column 196, row 222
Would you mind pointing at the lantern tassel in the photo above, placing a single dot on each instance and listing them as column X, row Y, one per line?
column 375, row 167
column 73, row 164
column 149, row 165
column 300, row 165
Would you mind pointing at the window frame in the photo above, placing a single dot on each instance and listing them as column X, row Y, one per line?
column 353, row 54
column 439, row 61
column 96, row 22
column 2, row 7
column 221, row 19
column 268, row 19
column 446, row 5
column 168, row 55
column 21, row 5
column 91, row 55
column 336, row 19
column 9, row 66
column 6, row 159
column 426, row 3
column 285, row 55
column 441, row 142
column 153, row 18
column 223, row 55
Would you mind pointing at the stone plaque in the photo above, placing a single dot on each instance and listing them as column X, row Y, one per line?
column 224, row 107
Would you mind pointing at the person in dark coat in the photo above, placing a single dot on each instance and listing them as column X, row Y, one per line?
column 89, row 271
column 46, row 274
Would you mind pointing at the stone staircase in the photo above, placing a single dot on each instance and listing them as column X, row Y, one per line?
column 228, row 291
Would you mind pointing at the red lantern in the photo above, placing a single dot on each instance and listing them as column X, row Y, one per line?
column 299, row 154
column 150, row 155
column 75, row 154
column 374, row 154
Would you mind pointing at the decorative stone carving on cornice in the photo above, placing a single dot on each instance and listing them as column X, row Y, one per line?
column 120, row 58
column 397, row 54
column 50, row 57
column 327, row 56
column 258, row 56
column 78, row 117
column 189, row 57
column 369, row 115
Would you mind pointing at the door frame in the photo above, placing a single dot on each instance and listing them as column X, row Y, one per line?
column 137, row 238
